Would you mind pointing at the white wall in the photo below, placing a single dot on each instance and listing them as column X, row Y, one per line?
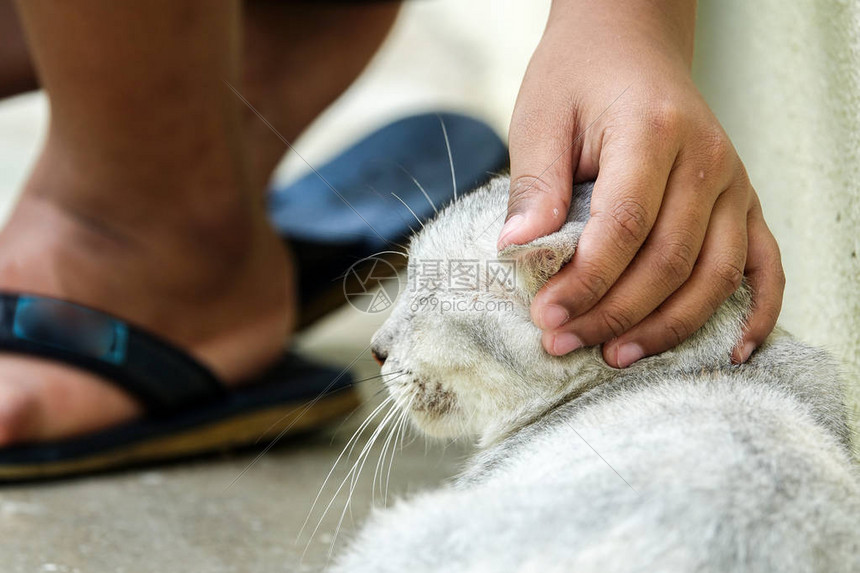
column 784, row 78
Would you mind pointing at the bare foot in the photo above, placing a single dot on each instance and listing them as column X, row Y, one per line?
column 231, row 310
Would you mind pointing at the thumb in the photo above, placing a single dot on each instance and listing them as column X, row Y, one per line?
column 542, row 153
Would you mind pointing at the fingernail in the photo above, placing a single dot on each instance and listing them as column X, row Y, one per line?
column 509, row 228
column 565, row 342
column 628, row 353
column 552, row 316
column 744, row 352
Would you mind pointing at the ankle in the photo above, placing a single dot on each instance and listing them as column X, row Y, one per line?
column 191, row 295
column 196, row 257
column 214, row 222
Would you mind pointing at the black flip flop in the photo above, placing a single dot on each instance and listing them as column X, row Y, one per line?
column 188, row 409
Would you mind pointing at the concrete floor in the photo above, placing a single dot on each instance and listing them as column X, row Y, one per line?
column 188, row 517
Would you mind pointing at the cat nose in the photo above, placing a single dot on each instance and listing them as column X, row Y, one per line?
column 379, row 355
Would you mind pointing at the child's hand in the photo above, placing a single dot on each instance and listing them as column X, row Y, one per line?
column 675, row 222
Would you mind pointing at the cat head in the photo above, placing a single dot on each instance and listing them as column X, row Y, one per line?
column 460, row 351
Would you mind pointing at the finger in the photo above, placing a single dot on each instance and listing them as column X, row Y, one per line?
column 767, row 282
column 664, row 262
column 717, row 274
column 624, row 204
column 542, row 144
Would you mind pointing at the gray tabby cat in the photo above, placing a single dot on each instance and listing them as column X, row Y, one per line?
column 682, row 462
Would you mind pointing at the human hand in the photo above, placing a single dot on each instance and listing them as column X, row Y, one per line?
column 675, row 224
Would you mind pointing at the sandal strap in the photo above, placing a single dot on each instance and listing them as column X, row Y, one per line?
column 161, row 376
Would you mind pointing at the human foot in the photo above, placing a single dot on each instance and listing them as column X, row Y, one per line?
column 143, row 201
column 231, row 310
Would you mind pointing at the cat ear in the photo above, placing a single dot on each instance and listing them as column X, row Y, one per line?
column 537, row 261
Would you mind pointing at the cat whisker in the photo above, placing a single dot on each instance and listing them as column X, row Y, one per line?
column 353, row 474
column 405, row 255
column 351, row 448
column 398, row 427
column 384, row 198
column 297, row 416
column 394, row 375
column 365, row 451
column 394, row 430
column 378, row 392
column 343, row 452
column 393, row 434
column 450, row 157
column 381, row 461
column 380, row 375
column 356, row 469
column 420, row 222
column 404, row 421
column 420, row 188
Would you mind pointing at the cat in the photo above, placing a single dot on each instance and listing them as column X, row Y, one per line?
column 681, row 462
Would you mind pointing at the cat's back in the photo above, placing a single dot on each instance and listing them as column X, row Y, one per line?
column 737, row 469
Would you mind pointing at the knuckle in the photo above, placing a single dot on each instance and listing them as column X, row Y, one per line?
column 525, row 190
column 761, row 321
column 776, row 265
column 675, row 260
column 742, row 176
column 771, row 314
column 589, row 285
column 780, row 277
column 729, row 274
column 769, row 303
column 716, row 144
column 676, row 329
column 777, row 253
column 664, row 119
column 630, row 220
column 716, row 154
column 616, row 321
